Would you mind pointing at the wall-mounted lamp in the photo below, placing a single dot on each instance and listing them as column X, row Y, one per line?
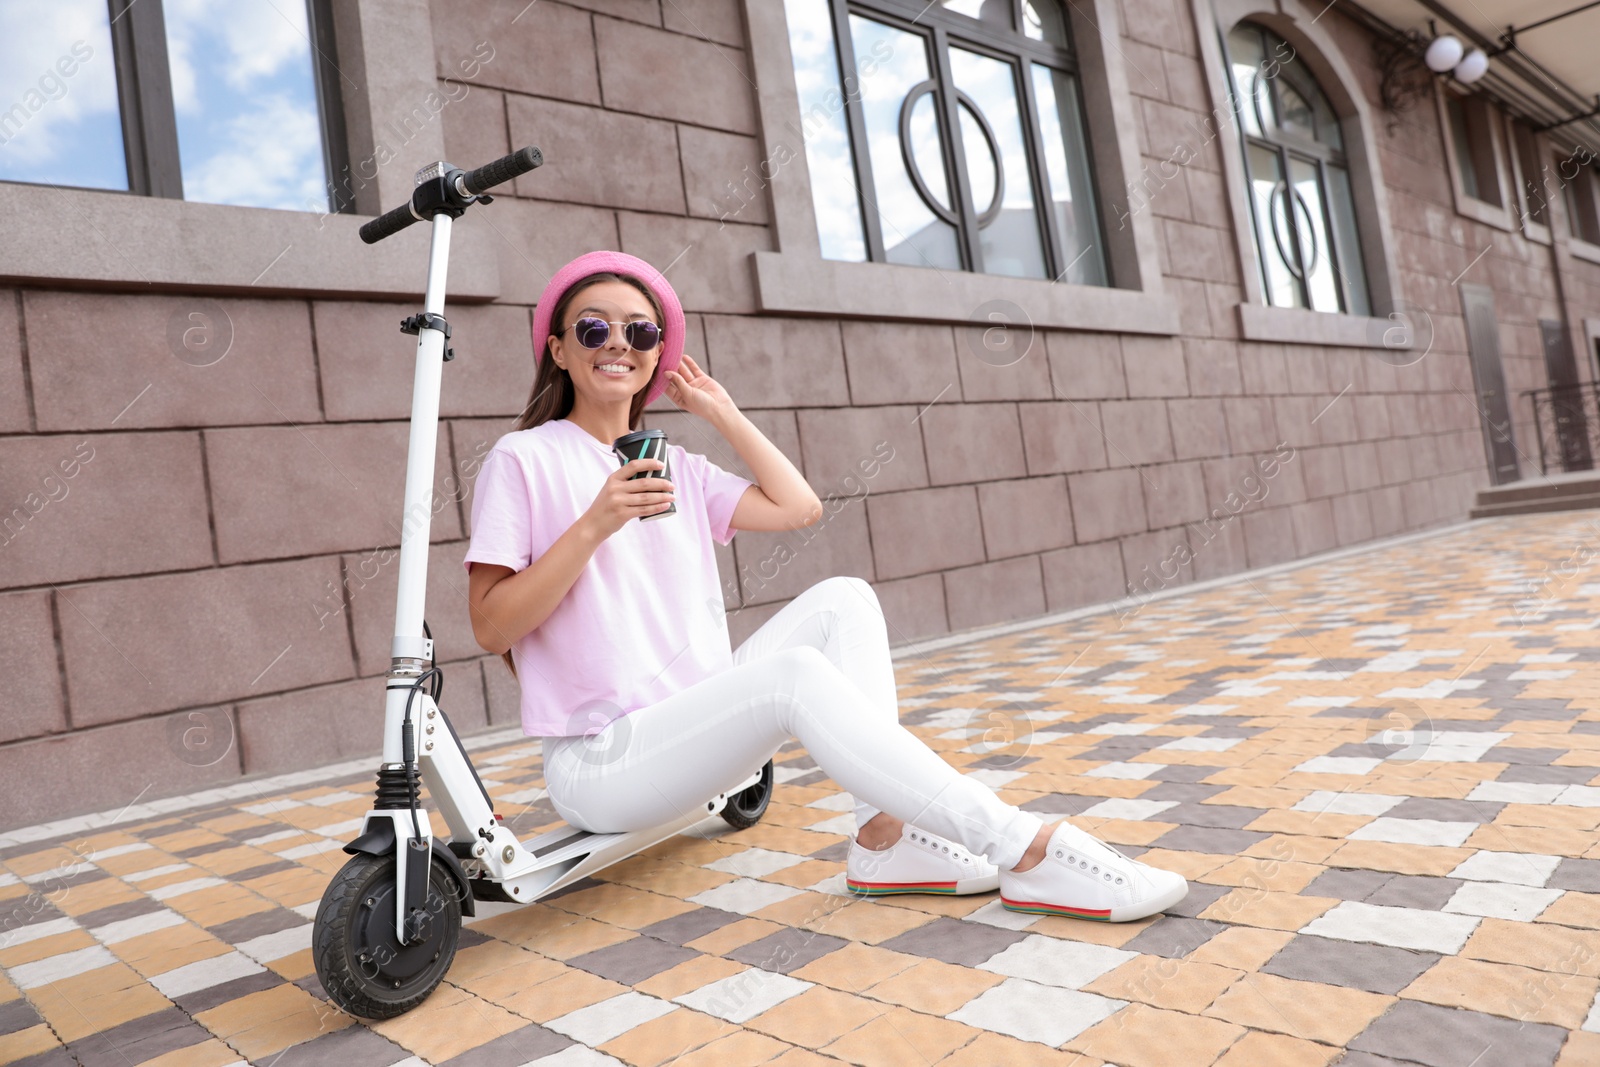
column 1446, row 55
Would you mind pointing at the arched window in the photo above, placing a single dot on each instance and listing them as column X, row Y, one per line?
column 1299, row 178
column 957, row 121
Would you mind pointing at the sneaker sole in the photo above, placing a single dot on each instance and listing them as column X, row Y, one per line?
column 1127, row 913
column 957, row 888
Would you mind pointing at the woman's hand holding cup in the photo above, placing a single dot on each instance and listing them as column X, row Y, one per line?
column 624, row 496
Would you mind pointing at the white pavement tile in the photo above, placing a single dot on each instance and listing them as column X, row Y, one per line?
column 193, row 885
column 1119, row 769
column 1033, row 1012
column 276, row 946
column 315, row 848
column 1322, row 702
column 1338, row 765
column 119, row 850
column 139, row 925
column 275, row 836
column 59, row 872
column 755, row 862
column 834, row 802
column 1522, row 903
column 745, row 895
column 1053, row 961
column 833, row 885
column 272, row 807
column 1199, row 744
column 571, row 1056
column 1325, row 801
column 1415, row 832
column 1592, row 1023
column 996, row 914
column 329, row 799
column 1516, row 792
column 1517, row 868
column 203, row 974
column 599, row 1023
column 1580, row 796
column 1122, row 728
column 1413, row 928
column 156, row 872
column 526, row 796
column 308, row 910
column 1437, row 689
column 840, row 824
column 54, row 968
column 1122, row 808
column 21, row 935
column 994, row 778
column 345, row 827
column 741, row 997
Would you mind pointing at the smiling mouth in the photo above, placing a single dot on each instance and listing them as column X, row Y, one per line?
column 613, row 370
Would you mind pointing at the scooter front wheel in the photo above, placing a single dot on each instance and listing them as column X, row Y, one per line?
column 745, row 808
column 361, row 964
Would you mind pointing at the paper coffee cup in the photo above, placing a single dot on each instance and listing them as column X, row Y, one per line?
column 646, row 444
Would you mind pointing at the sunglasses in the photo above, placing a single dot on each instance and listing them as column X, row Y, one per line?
column 641, row 334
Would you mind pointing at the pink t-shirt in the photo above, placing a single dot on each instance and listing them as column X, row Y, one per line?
column 644, row 620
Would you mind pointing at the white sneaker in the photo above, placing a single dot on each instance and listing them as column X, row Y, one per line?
column 1084, row 878
column 919, row 862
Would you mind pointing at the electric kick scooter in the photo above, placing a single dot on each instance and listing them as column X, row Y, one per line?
column 388, row 924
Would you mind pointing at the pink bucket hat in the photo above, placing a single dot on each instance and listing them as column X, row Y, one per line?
column 672, row 336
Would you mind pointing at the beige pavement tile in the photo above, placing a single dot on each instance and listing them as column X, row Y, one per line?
column 741, row 1047
column 1581, row 1050
column 816, row 1017
column 689, row 976
column 1183, row 985
column 900, row 1037
column 733, row 935
column 1142, row 1036
column 1503, row 989
column 1542, row 945
column 855, row 967
column 1264, row 908
column 999, row 1050
column 434, row 1029
column 934, row 987
column 1256, row 1049
column 31, row 1041
column 663, row 1039
column 1311, row 1011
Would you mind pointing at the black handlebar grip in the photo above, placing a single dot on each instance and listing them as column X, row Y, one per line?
column 387, row 224
column 503, row 170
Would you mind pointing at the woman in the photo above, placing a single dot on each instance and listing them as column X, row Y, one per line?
column 615, row 628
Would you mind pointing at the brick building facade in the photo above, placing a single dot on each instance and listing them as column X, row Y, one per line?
column 197, row 574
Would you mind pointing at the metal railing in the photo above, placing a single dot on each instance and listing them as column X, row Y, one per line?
column 1566, row 422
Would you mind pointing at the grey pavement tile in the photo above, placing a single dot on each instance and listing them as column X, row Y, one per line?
column 56, row 1057
column 1362, row 750
column 576, row 887
column 262, row 870
column 1582, row 875
column 813, row 778
column 1174, row 936
column 953, row 941
column 205, row 999
column 1217, row 816
column 786, row 950
column 838, row 852
column 237, row 931
column 139, row 1039
column 1181, row 772
column 532, row 1042
column 1375, row 968
column 1455, row 1037
column 1061, row 804
column 1207, row 839
column 32, row 909
column 1201, row 896
column 1521, row 708
column 1546, row 775
column 1000, row 761
column 632, row 961
column 1445, row 810
column 1416, row 891
column 1343, row 884
column 1182, row 792
column 1229, row 730
column 17, row 1015
column 690, row 925
column 350, row 1046
column 1585, row 726
column 467, row 937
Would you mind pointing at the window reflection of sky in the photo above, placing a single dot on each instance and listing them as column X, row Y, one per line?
column 62, row 130
column 911, row 232
column 249, row 129
column 1011, row 243
column 822, row 116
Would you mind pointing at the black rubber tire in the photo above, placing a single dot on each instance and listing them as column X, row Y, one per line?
column 745, row 808
column 348, row 926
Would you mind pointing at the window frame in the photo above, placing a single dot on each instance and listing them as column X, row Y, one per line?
column 1538, row 230
column 1492, row 123
column 78, row 238
column 796, row 279
column 1585, row 183
column 1297, row 23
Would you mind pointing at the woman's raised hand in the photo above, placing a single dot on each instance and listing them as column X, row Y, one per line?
column 620, row 499
column 696, row 392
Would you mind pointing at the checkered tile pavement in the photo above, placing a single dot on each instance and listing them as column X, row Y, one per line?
column 1378, row 772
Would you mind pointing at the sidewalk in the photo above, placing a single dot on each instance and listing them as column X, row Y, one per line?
column 1376, row 772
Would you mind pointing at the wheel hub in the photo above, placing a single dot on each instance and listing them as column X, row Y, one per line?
column 380, row 956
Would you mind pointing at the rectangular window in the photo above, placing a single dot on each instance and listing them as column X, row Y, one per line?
column 1473, row 142
column 174, row 98
column 1531, row 164
column 1578, row 184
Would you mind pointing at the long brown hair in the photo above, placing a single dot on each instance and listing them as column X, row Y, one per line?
column 553, row 395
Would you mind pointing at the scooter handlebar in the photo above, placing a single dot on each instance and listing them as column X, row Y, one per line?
column 472, row 183
column 387, row 224
column 502, row 170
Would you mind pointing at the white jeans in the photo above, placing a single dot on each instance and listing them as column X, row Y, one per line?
column 819, row 670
